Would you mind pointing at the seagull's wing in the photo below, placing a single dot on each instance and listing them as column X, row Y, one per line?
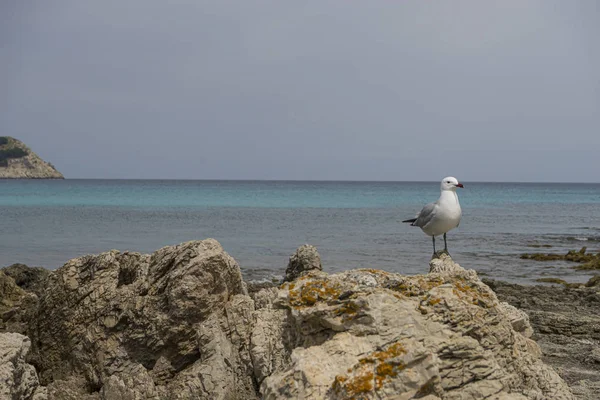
column 426, row 215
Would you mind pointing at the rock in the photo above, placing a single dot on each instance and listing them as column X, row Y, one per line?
column 17, row 161
column 372, row 334
column 129, row 326
column 594, row 281
column 587, row 261
column 552, row 280
column 566, row 324
column 28, row 278
column 518, row 319
column 442, row 263
column 18, row 380
column 10, row 292
column 306, row 258
column 181, row 324
column 16, row 305
column 72, row 388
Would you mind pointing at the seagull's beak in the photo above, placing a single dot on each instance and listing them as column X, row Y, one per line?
column 460, row 185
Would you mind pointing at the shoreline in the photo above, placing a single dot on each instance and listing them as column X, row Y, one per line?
column 566, row 325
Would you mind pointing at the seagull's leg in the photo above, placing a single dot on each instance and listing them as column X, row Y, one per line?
column 433, row 237
column 445, row 245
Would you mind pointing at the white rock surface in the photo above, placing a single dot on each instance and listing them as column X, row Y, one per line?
column 18, row 380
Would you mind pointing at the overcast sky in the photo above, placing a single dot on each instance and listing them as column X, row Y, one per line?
column 353, row 90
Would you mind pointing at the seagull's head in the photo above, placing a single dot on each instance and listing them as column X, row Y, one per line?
column 450, row 183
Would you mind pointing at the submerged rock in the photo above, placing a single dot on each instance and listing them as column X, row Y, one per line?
column 594, row 281
column 180, row 324
column 587, row 261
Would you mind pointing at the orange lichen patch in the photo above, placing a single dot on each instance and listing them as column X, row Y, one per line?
column 416, row 287
column 471, row 293
column 371, row 372
column 428, row 301
column 383, row 371
column 310, row 292
column 355, row 386
column 394, row 350
column 432, row 301
column 360, row 384
column 348, row 310
column 287, row 285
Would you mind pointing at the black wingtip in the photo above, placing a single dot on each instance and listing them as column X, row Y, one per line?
column 410, row 220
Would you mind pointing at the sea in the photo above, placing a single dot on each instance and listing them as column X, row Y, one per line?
column 261, row 223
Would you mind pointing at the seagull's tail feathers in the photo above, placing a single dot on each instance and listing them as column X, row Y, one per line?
column 411, row 221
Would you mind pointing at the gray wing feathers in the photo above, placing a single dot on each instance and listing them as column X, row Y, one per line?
column 425, row 216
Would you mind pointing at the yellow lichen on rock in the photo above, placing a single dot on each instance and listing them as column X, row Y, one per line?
column 471, row 293
column 371, row 372
column 417, row 287
column 357, row 385
column 312, row 291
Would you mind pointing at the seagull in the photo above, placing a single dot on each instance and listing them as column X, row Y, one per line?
column 443, row 215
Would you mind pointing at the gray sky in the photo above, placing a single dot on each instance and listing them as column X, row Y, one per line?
column 360, row 90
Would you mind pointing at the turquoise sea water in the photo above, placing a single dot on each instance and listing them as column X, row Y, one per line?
column 260, row 223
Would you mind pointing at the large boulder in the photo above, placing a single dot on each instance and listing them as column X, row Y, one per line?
column 369, row 334
column 174, row 324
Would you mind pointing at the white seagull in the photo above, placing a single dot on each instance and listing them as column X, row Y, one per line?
column 443, row 215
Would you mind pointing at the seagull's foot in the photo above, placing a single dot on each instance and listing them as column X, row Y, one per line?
column 439, row 253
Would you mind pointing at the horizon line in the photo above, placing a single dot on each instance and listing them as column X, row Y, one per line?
column 304, row 180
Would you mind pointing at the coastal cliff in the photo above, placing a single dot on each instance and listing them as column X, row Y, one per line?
column 182, row 324
column 17, row 161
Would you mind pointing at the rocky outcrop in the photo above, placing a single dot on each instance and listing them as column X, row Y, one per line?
column 566, row 322
column 181, row 324
column 306, row 258
column 124, row 325
column 372, row 334
column 17, row 161
column 18, row 380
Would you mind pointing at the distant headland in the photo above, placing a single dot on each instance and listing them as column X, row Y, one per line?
column 17, row 161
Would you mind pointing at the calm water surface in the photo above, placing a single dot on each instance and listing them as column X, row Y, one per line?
column 353, row 224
